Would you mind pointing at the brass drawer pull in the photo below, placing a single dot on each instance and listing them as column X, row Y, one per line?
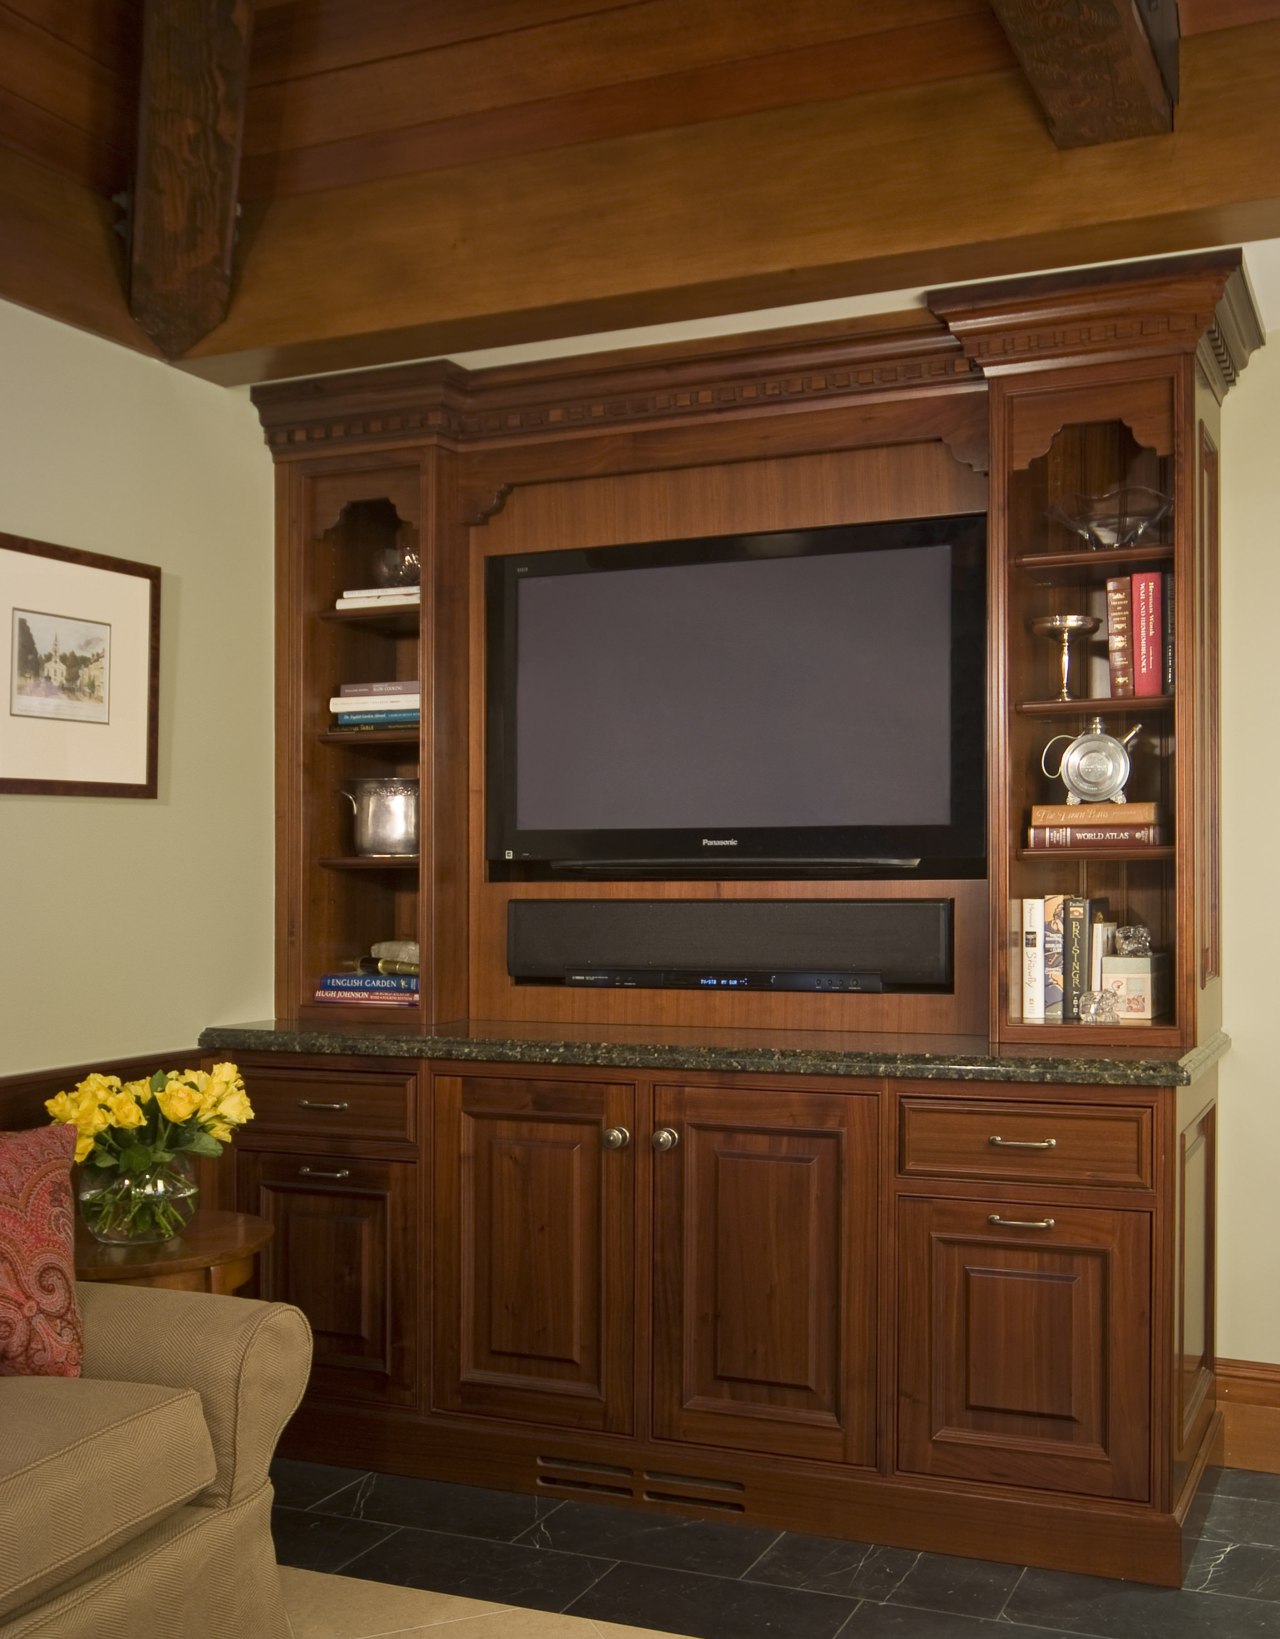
column 1020, row 1223
column 312, row 1104
column 615, row 1138
column 666, row 1138
column 315, row 1172
column 1023, row 1143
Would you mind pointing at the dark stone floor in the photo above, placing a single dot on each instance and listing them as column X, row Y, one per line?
column 717, row 1581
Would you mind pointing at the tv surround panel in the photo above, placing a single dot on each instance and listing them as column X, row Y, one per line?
column 904, row 943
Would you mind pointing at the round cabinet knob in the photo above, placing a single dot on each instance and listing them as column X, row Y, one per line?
column 615, row 1138
column 666, row 1138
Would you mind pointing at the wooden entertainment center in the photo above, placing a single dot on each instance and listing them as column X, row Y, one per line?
column 902, row 1267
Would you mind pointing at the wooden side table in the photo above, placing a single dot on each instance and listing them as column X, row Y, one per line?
column 215, row 1253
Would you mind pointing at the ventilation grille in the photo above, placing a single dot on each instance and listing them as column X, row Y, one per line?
column 566, row 1475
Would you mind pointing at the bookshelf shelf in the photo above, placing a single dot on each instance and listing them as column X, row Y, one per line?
column 1145, row 851
column 369, row 739
column 396, row 622
column 1108, row 561
column 370, row 862
column 1108, row 706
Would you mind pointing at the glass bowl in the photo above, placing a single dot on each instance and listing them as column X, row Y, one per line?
column 1121, row 517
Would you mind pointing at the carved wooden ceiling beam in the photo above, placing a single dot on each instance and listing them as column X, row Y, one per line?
column 191, row 102
column 1102, row 70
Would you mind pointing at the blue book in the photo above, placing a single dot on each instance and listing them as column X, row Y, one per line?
column 368, row 982
column 377, row 719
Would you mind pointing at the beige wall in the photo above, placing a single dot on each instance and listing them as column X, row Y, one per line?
column 127, row 925
column 1249, row 1167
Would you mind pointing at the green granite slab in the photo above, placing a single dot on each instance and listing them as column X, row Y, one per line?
column 752, row 1052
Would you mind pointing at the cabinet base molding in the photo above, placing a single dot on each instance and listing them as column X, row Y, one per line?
column 1249, row 1398
column 1122, row 1540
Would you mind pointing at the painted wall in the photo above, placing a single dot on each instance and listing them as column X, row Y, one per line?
column 127, row 925
column 1249, row 1179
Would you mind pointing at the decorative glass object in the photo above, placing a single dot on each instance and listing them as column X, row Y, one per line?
column 154, row 1204
column 399, row 564
column 1121, row 517
column 1133, row 941
column 1099, row 1007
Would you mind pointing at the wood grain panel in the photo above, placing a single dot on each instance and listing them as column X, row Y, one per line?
column 1080, row 1145
column 68, row 88
column 1025, row 1351
column 764, row 1249
column 294, row 147
column 544, row 61
column 844, row 486
column 344, row 1250
column 337, row 1103
column 534, row 1288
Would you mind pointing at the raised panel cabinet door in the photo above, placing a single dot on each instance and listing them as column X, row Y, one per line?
column 535, row 1227
column 1024, row 1347
column 764, row 1272
column 344, row 1251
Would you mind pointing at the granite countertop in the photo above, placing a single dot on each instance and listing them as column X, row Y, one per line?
column 806, row 1053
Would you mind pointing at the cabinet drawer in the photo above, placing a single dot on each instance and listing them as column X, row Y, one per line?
column 1038, row 1142
column 333, row 1103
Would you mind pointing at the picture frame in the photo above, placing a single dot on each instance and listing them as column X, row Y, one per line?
column 79, row 672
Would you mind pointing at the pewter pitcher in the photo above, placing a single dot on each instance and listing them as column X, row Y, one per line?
column 386, row 811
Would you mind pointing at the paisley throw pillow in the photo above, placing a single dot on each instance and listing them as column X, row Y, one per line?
column 40, row 1329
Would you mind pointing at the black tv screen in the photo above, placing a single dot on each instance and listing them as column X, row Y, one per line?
column 783, row 703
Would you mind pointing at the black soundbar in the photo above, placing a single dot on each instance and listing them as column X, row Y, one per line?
column 643, row 978
column 904, row 944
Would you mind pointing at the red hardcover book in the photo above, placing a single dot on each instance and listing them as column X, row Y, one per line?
column 1119, row 646
column 1148, row 633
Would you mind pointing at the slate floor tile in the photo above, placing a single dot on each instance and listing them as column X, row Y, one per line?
column 322, row 1542
column 1241, row 1482
column 854, row 1570
column 1132, row 1610
column 301, row 1485
column 1242, row 1519
column 507, row 1573
column 967, row 1587
column 710, row 1607
column 431, row 1505
column 675, row 1540
column 898, row 1622
column 1246, row 1570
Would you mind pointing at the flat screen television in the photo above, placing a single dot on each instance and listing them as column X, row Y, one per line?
column 787, row 704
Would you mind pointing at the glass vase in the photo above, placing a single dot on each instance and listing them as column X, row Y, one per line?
column 134, row 1209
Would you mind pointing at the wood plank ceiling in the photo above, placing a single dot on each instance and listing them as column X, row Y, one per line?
column 423, row 176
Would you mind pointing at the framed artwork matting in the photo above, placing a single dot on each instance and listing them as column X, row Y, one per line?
column 79, row 671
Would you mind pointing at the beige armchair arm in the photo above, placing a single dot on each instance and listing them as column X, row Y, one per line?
column 248, row 1360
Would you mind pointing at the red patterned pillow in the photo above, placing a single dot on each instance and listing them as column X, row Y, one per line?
column 40, row 1329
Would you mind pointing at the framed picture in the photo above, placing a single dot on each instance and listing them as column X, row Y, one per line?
column 79, row 671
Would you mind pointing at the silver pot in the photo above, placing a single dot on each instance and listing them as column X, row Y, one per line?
column 386, row 811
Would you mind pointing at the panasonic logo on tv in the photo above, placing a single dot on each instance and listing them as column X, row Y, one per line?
column 719, row 842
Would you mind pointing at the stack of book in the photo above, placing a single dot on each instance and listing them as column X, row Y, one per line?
column 1140, row 633
column 369, row 989
column 386, row 977
column 1064, row 941
column 1124, row 825
column 377, row 705
column 375, row 597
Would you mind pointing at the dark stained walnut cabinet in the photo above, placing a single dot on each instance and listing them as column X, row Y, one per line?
column 764, row 1266
column 905, row 1267
column 535, row 1250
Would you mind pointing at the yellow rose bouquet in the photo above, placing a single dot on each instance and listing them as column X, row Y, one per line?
column 136, row 1138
